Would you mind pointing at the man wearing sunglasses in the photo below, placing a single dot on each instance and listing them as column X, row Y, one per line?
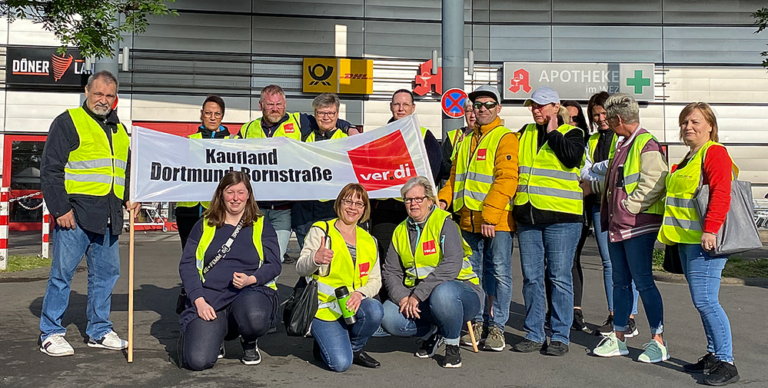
column 482, row 183
column 548, row 214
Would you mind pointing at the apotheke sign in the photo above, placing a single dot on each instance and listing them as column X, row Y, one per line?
column 578, row 81
column 44, row 66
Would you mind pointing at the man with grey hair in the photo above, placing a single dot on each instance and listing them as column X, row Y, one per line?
column 632, row 214
column 84, row 180
column 275, row 122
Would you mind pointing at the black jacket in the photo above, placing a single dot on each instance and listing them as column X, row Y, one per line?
column 91, row 212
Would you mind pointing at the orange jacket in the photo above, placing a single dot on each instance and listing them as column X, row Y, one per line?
column 503, row 188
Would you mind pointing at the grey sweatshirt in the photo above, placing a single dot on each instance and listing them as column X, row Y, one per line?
column 448, row 269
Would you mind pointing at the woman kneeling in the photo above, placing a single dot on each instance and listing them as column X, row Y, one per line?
column 228, row 269
column 342, row 257
column 430, row 281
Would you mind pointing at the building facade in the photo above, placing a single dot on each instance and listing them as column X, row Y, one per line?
column 701, row 51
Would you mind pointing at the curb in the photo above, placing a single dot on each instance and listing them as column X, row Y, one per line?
column 32, row 275
column 726, row 281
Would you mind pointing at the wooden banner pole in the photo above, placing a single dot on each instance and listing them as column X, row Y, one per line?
column 130, row 287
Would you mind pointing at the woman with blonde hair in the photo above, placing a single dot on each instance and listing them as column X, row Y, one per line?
column 706, row 163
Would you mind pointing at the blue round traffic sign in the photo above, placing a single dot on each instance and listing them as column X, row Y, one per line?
column 453, row 102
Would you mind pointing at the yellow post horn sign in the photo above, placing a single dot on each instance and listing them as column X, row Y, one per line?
column 338, row 75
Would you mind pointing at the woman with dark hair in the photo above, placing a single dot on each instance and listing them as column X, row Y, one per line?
column 211, row 116
column 339, row 253
column 228, row 269
column 601, row 146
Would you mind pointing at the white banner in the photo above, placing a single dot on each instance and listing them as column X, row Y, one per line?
column 169, row 168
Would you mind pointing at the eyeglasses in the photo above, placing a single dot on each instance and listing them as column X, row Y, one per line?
column 325, row 114
column 351, row 203
column 488, row 105
column 213, row 114
column 534, row 106
column 274, row 104
column 399, row 105
column 415, row 200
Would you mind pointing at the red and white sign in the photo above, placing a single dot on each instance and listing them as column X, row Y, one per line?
column 288, row 128
column 166, row 167
column 364, row 269
column 453, row 102
column 481, row 154
column 425, row 80
column 428, row 247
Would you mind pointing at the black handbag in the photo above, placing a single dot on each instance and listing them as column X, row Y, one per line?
column 300, row 308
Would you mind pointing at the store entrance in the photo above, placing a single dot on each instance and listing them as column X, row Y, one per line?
column 22, row 155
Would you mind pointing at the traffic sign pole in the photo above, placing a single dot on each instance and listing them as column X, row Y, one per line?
column 453, row 54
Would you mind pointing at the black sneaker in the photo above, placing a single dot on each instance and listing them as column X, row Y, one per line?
column 429, row 347
column 557, row 348
column 607, row 327
column 631, row 329
column 703, row 366
column 251, row 354
column 547, row 318
column 527, row 346
column 578, row 320
column 287, row 259
column 222, row 352
column 365, row 360
column 452, row 357
column 721, row 374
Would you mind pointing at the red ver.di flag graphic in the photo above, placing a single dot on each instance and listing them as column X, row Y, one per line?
column 382, row 163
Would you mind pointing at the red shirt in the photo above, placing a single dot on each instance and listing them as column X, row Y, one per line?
column 717, row 173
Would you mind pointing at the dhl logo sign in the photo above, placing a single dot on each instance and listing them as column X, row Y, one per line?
column 338, row 75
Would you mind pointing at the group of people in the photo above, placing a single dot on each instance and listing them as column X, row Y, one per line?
column 447, row 252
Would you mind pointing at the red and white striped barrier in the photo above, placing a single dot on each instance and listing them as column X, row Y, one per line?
column 46, row 230
column 4, row 196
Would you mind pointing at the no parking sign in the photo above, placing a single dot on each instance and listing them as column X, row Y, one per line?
column 453, row 102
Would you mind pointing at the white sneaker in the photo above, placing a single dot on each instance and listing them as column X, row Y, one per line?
column 110, row 341
column 55, row 345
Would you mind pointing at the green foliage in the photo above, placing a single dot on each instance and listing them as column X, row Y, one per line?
column 21, row 263
column 91, row 25
column 761, row 21
column 739, row 268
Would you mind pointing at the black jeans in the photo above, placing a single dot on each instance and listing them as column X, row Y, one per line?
column 248, row 316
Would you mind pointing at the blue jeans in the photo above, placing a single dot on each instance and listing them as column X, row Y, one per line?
column 703, row 274
column 281, row 221
column 449, row 307
column 338, row 342
column 602, row 245
column 633, row 261
column 557, row 243
column 103, row 258
column 492, row 262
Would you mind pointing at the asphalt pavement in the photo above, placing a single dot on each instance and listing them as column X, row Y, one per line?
column 287, row 361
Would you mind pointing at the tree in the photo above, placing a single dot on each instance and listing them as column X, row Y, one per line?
column 761, row 21
column 92, row 25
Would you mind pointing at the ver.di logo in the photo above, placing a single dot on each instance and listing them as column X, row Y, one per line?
column 321, row 78
column 382, row 163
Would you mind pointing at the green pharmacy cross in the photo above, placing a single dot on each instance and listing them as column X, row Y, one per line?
column 638, row 82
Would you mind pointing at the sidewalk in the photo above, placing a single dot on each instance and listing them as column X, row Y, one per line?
column 288, row 362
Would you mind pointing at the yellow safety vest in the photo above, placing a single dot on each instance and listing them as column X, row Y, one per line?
column 344, row 271
column 289, row 128
column 593, row 145
column 474, row 172
column 210, row 231
column 454, row 137
column 337, row 134
column 681, row 220
column 632, row 170
column 96, row 167
column 429, row 250
column 543, row 180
